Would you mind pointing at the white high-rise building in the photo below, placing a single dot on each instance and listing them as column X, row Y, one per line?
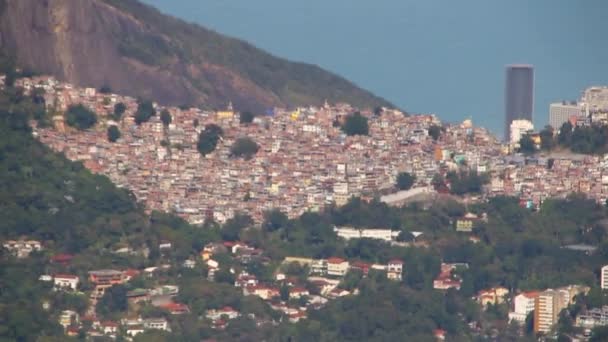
column 523, row 304
column 604, row 278
column 561, row 112
column 518, row 129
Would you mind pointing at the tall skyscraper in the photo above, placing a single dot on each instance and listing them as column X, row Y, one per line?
column 519, row 94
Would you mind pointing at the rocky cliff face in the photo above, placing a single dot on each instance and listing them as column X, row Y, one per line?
column 144, row 53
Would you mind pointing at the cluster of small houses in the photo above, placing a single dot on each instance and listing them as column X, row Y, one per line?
column 304, row 162
column 324, row 274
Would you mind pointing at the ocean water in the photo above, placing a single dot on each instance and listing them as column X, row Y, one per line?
column 427, row 56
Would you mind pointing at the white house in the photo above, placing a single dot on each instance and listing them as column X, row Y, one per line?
column 68, row 317
column 66, row 282
column 157, row 324
column 348, row 233
column 523, row 304
column 225, row 311
column 394, row 269
column 337, row 267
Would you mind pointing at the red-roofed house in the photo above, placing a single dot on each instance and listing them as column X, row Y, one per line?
column 439, row 334
column 109, row 327
column 62, row 259
column 361, row 266
column 297, row 292
column 176, row 308
column 130, row 274
column 337, row 267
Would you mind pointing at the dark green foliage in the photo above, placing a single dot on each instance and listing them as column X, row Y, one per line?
column 7, row 62
column 232, row 228
column 119, row 110
column 383, row 312
column 208, row 139
column 21, row 298
column 113, row 302
column 246, row 117
column 405, row 181
column 564, row 136
column 584, row 139
column 244, row 147
column 590, row 140
column 165, row 117
column 599, row 334
column 435, row 132
column 526, row 145
column 284, row 292
column 357, row 213
column 113, row 133
column 466, row 182
column 80, row 117
column 274, row 220
column 145, row 111
column 547, row 139
column 105, row 89
column 355, row 124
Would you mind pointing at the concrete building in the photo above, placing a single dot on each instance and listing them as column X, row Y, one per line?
column 604, row 278
column 550, row 303
column 394, row 269
column 523, row 304
column 348, row 233
column 518, row 129
column 596, row 317
column 561, row 112
column 595, row 99
column 337, row 267
column 68, row 318
column 547, row 307
column 66, row 282
column 519, row 94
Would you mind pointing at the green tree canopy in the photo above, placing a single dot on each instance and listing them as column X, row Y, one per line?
column 119, row 110
column 355, row 124
column 547, row 139
column 435, row 132
column 465, row 182
column 233, row 227
column 526, row 145
column 145, row 111
column 246, row 117
column 208, row 139
column 114, row 301
column 274, row 220
column 113, row 133
column 80, row 117
column 105, row 89
column 244, row 147
column 405, row 181
column 165, row 117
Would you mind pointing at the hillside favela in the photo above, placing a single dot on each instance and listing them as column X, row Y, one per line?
column 163, row 182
